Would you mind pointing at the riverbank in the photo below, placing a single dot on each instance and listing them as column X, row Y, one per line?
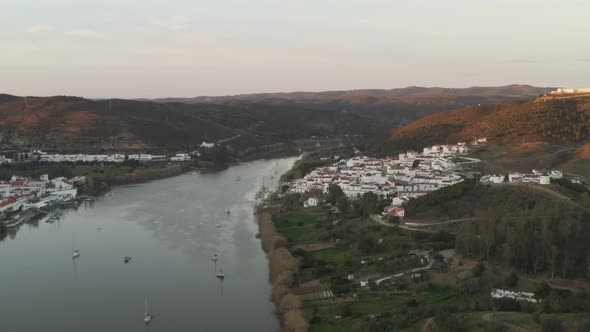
column 283, row 268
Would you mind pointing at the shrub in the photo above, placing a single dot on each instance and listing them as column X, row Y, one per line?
column 512, row 280
column 289, row 302
column 478, row 270
column 295, row 322
column 552, row 325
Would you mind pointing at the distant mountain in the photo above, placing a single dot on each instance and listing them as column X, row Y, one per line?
column 64, row 123
column 76, row 124
column 410, row 94
column 536, row 120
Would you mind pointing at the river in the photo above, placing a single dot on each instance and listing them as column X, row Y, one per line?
column 169, row 229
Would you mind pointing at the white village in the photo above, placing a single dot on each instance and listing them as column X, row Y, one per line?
column 409, row 175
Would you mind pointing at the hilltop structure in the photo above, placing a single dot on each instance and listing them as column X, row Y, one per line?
column 563, row 91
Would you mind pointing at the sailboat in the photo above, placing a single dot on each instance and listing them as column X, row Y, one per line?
column 75, row 252
column 147, row 318
column 220, row 275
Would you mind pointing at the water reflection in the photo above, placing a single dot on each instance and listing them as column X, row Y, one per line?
column 169, row 228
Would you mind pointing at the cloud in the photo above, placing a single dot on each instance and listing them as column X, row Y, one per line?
column 38, row 28
column 87, row 34
column 361, row 21
column 193, row 37
column 529, row 60
column 174, row 23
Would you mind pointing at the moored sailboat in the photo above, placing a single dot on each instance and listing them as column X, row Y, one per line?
column 147, row 318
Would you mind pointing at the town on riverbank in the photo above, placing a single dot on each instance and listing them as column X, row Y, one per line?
column 23, row 199
column 407, row 244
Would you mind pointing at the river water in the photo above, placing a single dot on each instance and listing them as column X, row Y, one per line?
column 169, row 229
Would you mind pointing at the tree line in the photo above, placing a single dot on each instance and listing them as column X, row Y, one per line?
column 555, row 244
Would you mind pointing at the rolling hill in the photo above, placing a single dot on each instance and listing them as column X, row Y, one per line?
column 413, row 94
column 63, row 123
column 550, row 121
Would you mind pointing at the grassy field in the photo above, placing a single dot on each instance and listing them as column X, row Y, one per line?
column 395, row 305
column 118, row 170
column 299, row 226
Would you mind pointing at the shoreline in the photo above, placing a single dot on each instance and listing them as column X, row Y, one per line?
column 282, row 269
column 283, row 266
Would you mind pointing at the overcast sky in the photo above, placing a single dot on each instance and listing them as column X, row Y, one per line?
column 149, row 48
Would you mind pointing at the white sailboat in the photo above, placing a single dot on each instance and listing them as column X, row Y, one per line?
column 75, row 252
column 147, row 318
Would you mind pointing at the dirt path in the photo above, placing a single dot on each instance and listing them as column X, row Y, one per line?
column 426, row 326
column 441, row 222
column 377, row 219
column 489, row 317
column 558, row 196
column 397, row 275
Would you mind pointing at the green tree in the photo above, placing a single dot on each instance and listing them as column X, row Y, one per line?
column 343, row 204
column 334, row 194
column 369, row 204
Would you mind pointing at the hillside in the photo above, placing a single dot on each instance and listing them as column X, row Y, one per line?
column 411, row 94
column 550, row 121
column 78, row 124
column 64, row 123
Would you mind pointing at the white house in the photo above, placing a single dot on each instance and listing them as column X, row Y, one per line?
column 497, row 178
column 311, row 202
column 515, row 177
column 61, row 183
column 544, row 179
column 181, row 157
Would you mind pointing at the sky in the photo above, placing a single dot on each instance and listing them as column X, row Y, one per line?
column 187, row 48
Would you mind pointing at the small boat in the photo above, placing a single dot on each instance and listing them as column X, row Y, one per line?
column 228, row 212
column 194, row 173
column 218, row 225
column 99, row 228
column 147, row 318
column 214, row 258
column 220, row 275
column 238, row 178
column 75, row 252
column 127, row 259
column 108, row 195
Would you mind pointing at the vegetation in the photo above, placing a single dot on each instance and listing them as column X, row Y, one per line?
column 552, row 121
column 556, row 244
column 504, row 236
column 283, row 267
column 440, row 196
